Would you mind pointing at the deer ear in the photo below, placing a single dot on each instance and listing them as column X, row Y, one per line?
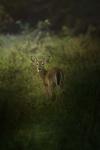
column 34, row 60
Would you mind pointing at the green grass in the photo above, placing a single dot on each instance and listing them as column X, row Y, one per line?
column 28, row 120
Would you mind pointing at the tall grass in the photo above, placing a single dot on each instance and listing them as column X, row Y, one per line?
column 29, row 120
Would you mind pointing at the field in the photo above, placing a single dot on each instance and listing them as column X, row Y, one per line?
column 28, row 119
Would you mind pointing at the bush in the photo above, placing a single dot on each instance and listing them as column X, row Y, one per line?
column 29, row 120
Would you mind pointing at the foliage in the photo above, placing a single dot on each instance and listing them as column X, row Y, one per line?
column 28, row 119
column 75, row 14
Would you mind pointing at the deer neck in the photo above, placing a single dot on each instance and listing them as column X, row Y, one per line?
column 42, row 73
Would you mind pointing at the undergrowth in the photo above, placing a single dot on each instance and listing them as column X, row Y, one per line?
column 28, row 119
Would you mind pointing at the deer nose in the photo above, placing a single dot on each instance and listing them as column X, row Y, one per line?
column 39, row 68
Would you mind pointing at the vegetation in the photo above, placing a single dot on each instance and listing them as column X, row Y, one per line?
column 28, row 119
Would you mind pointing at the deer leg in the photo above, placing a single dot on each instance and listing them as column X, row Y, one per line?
column 47, row 91
column 50, row 91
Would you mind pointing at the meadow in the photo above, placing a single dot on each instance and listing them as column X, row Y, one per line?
column 28, row 119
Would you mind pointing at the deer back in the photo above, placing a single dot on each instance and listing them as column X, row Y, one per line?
column 54, row 77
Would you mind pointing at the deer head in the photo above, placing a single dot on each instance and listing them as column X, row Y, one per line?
column 39, row 63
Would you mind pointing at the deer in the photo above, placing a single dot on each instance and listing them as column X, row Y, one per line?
column 51, row 78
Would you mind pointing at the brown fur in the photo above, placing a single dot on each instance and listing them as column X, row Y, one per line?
column 51, row 78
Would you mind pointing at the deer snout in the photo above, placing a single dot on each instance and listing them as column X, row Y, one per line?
column 39, row 69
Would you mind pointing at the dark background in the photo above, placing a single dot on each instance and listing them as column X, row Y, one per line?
column 80, row 13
